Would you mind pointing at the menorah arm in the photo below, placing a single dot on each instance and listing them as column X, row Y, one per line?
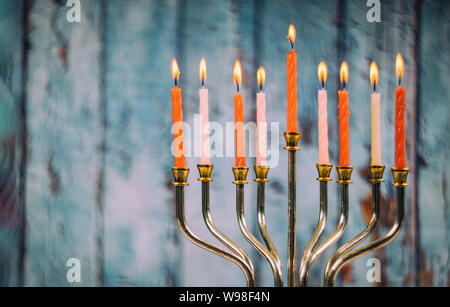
column 240, row 175
column 336, row 266
column 306, row 262
column 180, row 176
column 219, row 235
column 261, row 179
column 361, row 236
column 344, row 180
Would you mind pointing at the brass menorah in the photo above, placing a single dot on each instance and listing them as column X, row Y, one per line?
column 343, row 255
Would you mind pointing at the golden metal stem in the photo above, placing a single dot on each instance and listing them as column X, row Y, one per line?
column 180, row 176
column 344, row 174
column 305, row 265
column 240, row 174
column 292, row 139
column 261, row 179
column 376, row 172
column 348, row 255
column 205, row 177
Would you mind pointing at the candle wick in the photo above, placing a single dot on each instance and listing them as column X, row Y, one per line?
column 176, row 82
column 260, row 87
column 323, row 84
column 203, row 82
column 237, row 87
column 374, row 87
column 344, row 85
column 399, row 81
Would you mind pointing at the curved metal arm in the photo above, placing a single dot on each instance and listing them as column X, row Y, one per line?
column 337, row 265
column 181, row 220
column 307, row 254
column 363, row 235
column 276, row 268
column 219, row 235
column 264, row 233
column 332, row 239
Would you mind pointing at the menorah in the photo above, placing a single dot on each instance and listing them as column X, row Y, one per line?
column 343, row 255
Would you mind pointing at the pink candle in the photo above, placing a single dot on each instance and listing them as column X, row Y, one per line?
column 203, row 95
column 261, row 133
column 375, row 118
column 323, row 116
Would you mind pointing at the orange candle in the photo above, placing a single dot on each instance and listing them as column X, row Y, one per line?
column 177, row 116
column 239, row 132
column 400, row 93
column 291, row 66
column 344, row 113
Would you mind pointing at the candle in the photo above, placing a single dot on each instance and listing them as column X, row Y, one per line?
column 261, row 123
column 239, row 133
column 375, row 118
column 400, row 93
column 344, row 113
column 203, row 96
column 291, row 66
column 322, row 115
column 177, row 116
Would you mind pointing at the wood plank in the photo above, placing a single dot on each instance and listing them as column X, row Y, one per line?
column 12, row 221
column 142, row 241
column 65, row 133
column 433, row 144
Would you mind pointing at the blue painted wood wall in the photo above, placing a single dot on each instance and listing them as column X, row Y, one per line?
column 85, row 120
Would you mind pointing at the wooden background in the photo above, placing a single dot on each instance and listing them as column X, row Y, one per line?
column 85, row 118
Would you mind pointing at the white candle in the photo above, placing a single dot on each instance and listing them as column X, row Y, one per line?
column 203, row 93
column 261, row 123
column 261, row 155
column 375, row 118
column 323, row 127
column 322, row 73
column 375, row 125
column 204, row 126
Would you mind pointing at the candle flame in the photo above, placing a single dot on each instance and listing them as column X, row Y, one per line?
column 292, row 34
column 175, row 69
column 322, row 72
column 202, row 69
column 237, row 72
column 261, row 76
column 374, row 74
column 344, row 72
column 399, row 66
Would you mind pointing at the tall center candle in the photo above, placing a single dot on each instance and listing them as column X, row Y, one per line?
column 291, row 65
column 261, row 123
column 177, row 116
column 239, row 132
column 203, row 96
column 323, row 116
column 400, row 94
column 375, row 117
column 344, row 113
